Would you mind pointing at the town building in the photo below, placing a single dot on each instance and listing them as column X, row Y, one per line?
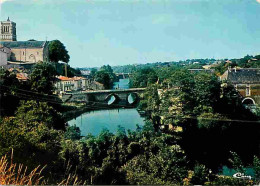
column 21, row 52
column 69, row 84
column 246, row 81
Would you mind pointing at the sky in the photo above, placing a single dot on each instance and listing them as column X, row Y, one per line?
column 121, row 32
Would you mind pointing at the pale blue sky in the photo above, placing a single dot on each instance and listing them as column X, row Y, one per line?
column 119, row 32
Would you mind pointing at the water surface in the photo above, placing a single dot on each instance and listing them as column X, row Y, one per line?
column 122, row 84
column 94, row 121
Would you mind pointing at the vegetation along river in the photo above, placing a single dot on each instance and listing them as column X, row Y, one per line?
column 95, row 121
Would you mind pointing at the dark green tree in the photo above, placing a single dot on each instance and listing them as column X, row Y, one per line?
column 42, row 78
column 58, row 52
column 72, row 132
column 104, row 78
column 8, row 92
column 93, row 72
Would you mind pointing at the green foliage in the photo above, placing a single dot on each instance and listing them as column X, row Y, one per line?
column 236, row 162
column 200, row 175
column 144, row 77
column 107, row 68
column 226, row 180
column 30, row 113
column 72, row 133
column 256, row 167
column 8, row 88
column 58, row 52
column 166, row 167
column 42, row 78
column 93, row 72
column 105, row 76
column 210, row 120
column 33, row 142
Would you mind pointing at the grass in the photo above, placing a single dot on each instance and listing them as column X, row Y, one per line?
column 17, row 174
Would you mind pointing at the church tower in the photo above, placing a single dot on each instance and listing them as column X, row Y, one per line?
column 8, row 30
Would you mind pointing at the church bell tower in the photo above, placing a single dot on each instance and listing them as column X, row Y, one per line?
column 8, row 30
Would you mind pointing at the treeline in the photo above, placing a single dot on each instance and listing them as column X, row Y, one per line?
column 220, row 65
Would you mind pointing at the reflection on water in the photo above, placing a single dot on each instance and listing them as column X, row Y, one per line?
column 93, row 122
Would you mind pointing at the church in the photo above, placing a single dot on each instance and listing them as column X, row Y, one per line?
column 21, row 52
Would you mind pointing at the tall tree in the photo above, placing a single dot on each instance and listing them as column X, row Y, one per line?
column 58, row 52
column 42, row 78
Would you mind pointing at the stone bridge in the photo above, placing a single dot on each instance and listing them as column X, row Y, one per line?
column 107, row 98
column 123, row 75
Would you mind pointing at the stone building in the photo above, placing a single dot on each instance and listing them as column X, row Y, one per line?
column 27, row 51
column 246, row 81
column 8, row 31
column 21, row 51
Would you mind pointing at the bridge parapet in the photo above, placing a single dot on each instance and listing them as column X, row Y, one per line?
column 121, row 96
column 114, row 91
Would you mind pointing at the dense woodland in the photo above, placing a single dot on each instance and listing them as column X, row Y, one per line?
column 209, row 128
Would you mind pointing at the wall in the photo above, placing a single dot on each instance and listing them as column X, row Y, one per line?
column 8, row 51
column 254, row 91
column 27, row 54
column 3, row 58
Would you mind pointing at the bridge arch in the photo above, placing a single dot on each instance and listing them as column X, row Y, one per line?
column 112, row 99
column 248, row 101
column 132, row 98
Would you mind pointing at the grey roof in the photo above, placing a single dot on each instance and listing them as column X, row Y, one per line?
column 23, row 44
column 245, row 75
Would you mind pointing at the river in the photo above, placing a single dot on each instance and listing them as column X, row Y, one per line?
column 94, row 122
column 121, row 84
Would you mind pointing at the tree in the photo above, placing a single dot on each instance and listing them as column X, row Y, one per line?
column 42, row 78
column 107, row 68
column 30, row 112
column 72, row 133
column 8, row 88
column 256, row 167
column 144, row 77
column 58, row 52
column 93, row 72
column 103, row 77
column 31, row 133
column 200, row 174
